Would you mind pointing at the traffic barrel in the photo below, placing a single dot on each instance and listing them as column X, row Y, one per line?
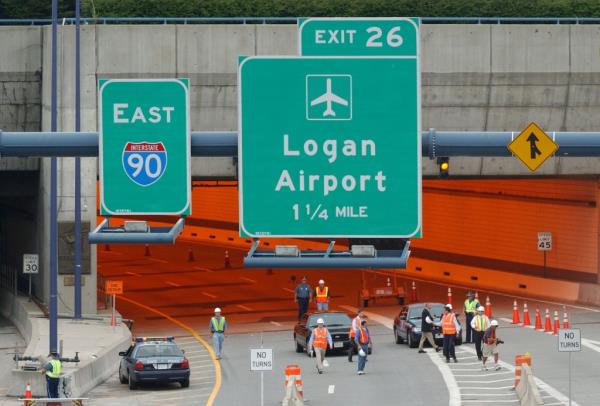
column 556, row 323
column 548, row 323
column 538, row 320
column 227, row 262
column 488, row 307
column 413, row 293
column 515, row 319
column 190, row 257
column 449, row 295
column 565, row 317
column 146, row 250
column 293, row 370
column 520, row 360
column 27, row 394
column 526, row 321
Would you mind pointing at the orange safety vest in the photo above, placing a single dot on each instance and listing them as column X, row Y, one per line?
column 364, row 336
column 320, row 340
column 352, row 325
column 448, row 326
column 322, row 295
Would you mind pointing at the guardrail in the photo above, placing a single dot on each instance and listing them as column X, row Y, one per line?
column 294, row 20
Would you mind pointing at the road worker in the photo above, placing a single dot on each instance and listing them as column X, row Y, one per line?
column 450, row 329
column 490, row 345
column 470, row 308
column 217, row 326
column 352, row 347
column 319, row 340
column 362, row 338
column 427, row 329
column 302, row 297
column 52, row 372
column 322, row 296
column 479, row 324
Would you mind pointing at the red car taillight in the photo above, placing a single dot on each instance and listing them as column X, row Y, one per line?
column 185, row 363
column 139, row 365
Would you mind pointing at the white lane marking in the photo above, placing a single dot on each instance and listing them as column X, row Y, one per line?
column 247, row 279
column 492, row 401
column 487, row 374
column 331, row 389
column 490, row 381
column 453, row 391
column 289, row 290
column 468, row 363
column 173, row 284
column 487, row 388
column 276, row 324
column 201, row 268
column 244, row 307
column 509, row 321
column 209, row 295
column 489, row 394
column 132, row 273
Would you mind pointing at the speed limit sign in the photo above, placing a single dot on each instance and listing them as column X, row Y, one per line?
column 544, row 241
column 31, row 263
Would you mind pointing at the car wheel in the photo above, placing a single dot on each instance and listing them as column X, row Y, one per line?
column 397, row 338
column 132, row 383
column 299, row 348
column 185, row 384
column 122, row 379
column 411, row 342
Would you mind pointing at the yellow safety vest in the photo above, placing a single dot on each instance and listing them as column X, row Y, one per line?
column 481, row 323
column 218, row 324
column 471, row 307
column 55, row 373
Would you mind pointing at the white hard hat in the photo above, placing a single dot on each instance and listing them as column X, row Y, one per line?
column 217, row 310
column 494, row 323
column 322, row 281
column 449, row 306
column 481, row 309
column 320, row 321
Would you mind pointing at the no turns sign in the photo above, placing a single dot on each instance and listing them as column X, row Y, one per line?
column 569, row 340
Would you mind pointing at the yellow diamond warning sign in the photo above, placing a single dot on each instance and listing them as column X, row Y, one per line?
column 533, row 146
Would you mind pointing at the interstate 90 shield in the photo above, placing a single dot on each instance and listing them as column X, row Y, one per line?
column 144, row 162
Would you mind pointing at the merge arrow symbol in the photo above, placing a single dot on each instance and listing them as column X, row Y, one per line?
column 532, row 143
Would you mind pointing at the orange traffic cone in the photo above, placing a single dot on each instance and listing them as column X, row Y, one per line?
column 547, row 322
column 526, row 321
column 27, row 394
column 515, row 319
column 538, row 320
column 488, row 307
column 565, row 318
column 449, row 295
column 556, row 323
column 146, row 250
column 227, row 263
column 413, row 293
column 190, row 255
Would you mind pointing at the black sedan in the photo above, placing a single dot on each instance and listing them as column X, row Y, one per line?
column 338, row 324
column 407, row 325
column 156, row 360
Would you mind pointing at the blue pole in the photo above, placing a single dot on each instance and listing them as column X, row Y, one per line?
column 53, row 310
column 77, row 168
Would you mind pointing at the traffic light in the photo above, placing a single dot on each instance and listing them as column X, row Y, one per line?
column 444, row 165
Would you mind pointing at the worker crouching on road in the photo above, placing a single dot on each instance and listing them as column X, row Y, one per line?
column 52, row 370
column 302, row 297
column 479, row 324
column 353, row 347
column 427, row 329
column 217, row 326
column 450, row 329
column 322, row 296
column 471, row 305
column 490, row 345
column 363, row 338
column 319, row 340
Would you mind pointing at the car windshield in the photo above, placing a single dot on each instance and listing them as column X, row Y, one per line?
column 416, row 311
column 330, row 319
column 158, row 350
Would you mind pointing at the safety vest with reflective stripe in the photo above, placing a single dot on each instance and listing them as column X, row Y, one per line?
column 354, row 325
column 322, row 294
column 320, row 337
column 218, row 324
column 448, row 326
column 55, row 373
column 471, row 307
column 481, row 322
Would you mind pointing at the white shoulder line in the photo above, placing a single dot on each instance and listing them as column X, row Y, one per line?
column 451, row 384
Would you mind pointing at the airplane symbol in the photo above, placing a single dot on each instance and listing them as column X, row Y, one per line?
column 329, row 97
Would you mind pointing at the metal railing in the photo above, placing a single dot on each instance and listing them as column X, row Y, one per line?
column 9, row 278
column 294, row 20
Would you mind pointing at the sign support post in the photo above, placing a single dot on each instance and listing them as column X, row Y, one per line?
column 114, row 288
column 261, row 359
column 569, row 340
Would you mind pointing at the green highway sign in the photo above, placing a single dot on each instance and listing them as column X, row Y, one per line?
column 363, row 36
column 329, row 146
column 144, row 127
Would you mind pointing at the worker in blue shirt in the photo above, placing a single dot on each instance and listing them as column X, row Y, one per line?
column 302, row 297
column 52, row 371
column 217, row 326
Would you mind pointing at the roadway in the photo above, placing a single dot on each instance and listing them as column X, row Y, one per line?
column 167, row 294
